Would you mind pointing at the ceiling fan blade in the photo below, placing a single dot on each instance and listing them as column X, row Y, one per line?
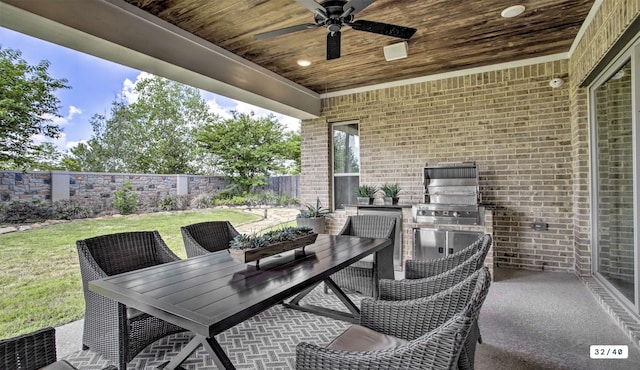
column 357, row 5
column 284, row 31
column 312, row 5
column 333, row 45
column 384, row 29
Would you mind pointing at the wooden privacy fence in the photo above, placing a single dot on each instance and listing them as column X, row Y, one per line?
column 289, row 185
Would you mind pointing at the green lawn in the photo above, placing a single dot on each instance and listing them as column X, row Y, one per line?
column 39, row 271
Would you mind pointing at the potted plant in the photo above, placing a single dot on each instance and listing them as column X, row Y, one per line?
column 366, row 194
column 313, row 216
column 248, row 248
column 391, row 192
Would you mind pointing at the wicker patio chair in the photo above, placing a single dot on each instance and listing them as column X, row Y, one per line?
column 32, row 351
column 425, row 333
column 451, row 274
column 416, row 269
column 398, row 290
column 207, row 237
column 363, row 276
column 110, row 328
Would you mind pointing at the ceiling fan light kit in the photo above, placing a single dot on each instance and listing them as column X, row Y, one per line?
column 335, row 14
column 396, row 51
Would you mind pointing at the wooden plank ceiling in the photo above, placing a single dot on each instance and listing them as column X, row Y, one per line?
column 452, row 35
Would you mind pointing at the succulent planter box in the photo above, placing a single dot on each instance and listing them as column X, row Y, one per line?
column 250, row 255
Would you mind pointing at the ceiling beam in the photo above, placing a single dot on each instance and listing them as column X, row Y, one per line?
column 117, row 31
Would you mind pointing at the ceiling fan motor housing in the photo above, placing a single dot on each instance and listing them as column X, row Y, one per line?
column 332, row 15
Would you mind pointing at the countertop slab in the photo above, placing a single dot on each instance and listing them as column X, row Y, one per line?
column 390, row 206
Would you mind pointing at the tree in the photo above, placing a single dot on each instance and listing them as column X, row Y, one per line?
column 27, row 108
column 154, row 134
column 46, row 158
column 246, row 148
column 293, row 141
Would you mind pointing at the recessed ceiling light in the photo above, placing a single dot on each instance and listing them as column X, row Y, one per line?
column 512, row 11
column 304, row 62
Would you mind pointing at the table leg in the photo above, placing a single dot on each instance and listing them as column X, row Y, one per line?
column 211, row 345
column 354, row 317
column 217, row 354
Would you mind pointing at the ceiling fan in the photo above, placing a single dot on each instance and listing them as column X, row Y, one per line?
column 333, row 15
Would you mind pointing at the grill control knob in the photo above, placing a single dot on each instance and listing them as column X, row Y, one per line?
column 456, row 214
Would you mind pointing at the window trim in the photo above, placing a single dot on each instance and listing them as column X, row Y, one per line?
column 333, row 174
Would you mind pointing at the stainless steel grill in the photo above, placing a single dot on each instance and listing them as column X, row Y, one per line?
column 452, row 195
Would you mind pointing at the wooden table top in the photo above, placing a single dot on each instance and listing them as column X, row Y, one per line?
column 211, row 293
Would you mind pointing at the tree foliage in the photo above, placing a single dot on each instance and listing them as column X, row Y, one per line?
column 27, row 108
column 154, row 134
column 247, row 149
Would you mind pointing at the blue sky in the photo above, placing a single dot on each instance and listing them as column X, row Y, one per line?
column 95, row 83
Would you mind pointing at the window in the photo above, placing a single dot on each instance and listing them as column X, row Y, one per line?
column 346, row 163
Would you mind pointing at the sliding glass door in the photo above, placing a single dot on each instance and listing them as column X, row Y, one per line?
column 615, row 177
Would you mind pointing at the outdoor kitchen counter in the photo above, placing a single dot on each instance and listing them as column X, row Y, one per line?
column 391, row 206
column 486, row 228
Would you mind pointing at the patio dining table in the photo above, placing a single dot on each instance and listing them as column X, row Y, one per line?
column 211, row 293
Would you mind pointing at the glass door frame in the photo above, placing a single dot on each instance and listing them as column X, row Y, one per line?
column 630, row 53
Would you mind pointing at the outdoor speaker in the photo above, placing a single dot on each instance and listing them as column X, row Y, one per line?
column 396, row 51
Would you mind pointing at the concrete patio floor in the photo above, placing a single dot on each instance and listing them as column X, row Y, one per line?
column 530, row 320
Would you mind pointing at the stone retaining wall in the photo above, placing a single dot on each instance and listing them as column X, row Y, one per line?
column 50, row 186
column 95, row 187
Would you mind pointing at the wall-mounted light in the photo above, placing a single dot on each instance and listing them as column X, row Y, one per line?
column 556, row 82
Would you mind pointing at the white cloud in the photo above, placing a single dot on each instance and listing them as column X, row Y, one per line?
column 62, row 121
column 72, row 144
column 216, row 108
column 73, row 111
column 128, row 87
column 60, row 142
column 290, row 123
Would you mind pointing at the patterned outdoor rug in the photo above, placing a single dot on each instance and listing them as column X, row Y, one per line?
column 266, row 341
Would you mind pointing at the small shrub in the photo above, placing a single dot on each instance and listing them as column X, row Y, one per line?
column 3, row 207
column 71, row 210
column 168, row 203
column 234, row 201
column 26, row 212
column 125, row 200
column 226, row 194
column 183, row 202
column 269, row 197
column 204, row 200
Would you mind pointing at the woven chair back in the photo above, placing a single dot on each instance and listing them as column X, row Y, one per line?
column 370, row 226
column 123, row 252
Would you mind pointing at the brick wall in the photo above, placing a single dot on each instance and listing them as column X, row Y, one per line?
column 531, row 143
column 511, row 122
